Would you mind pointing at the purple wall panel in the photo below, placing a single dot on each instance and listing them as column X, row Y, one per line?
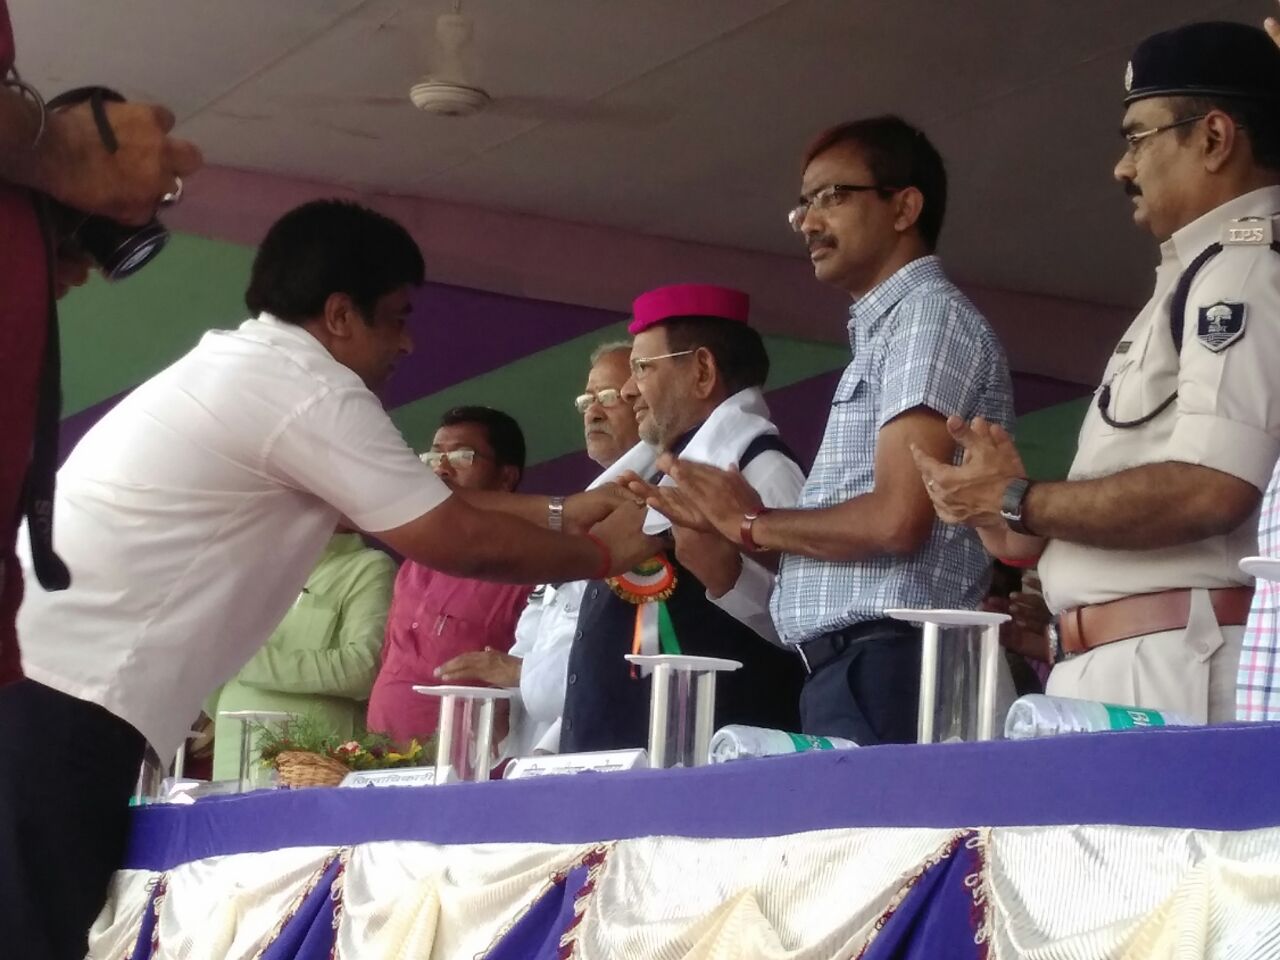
column 461, row 333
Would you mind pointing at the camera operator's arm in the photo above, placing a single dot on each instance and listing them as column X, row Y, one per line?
column 70, row 163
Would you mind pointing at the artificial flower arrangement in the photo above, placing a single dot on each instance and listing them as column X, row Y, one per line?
column 306, row 753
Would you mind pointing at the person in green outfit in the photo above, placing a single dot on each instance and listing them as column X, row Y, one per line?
column 323, row 657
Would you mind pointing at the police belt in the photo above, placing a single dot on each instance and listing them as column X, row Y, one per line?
column 1085, row 628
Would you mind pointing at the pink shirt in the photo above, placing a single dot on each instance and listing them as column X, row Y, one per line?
column 434, row 617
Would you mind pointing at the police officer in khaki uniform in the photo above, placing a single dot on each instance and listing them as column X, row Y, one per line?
column 1141, row 543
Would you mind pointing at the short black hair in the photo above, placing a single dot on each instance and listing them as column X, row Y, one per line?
column 326, row 247
column 505, row 435
column 739, row 351
column 1259, row 120
column 899, row 155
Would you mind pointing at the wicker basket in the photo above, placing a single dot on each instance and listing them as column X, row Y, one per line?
column 299, row 768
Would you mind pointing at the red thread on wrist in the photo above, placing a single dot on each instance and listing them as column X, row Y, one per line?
column 1022, row 563
column 606, row 558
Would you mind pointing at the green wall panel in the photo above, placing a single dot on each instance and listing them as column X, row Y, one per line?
column 1047, row 438
column 115, row 335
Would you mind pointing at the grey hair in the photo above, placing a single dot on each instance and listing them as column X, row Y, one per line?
column 613, row 346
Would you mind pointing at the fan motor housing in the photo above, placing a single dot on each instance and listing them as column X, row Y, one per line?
column 447, row 99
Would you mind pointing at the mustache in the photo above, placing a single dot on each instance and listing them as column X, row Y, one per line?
column 599, row 428
column 819, row 240
column 1131, row 189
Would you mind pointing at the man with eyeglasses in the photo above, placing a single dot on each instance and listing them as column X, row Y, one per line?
column 864, row 537
column 436, row 616
column 697, row 370
column 1141, row 544
column 538, row 662
column 191, row 514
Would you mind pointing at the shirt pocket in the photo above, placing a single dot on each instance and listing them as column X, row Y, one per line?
column 1138, row 382
column 853, row 384
column 311, row 624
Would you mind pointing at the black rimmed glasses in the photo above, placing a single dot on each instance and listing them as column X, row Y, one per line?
column 832, row 196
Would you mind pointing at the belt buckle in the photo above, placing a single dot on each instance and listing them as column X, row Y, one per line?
column 1055, row 642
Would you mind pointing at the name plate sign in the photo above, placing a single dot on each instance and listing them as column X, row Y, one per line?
column 405, row 777
column 558, row 765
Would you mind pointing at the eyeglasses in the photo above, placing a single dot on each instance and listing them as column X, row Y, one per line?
column 640, row 366
column 1134, row 139
column 829, row 197
column 462, row 457
column 607, row 397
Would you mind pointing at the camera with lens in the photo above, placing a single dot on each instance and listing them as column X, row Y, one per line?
column 118, row 250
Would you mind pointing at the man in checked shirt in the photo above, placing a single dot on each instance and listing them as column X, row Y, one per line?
column 864, row 537
column 1258, row 680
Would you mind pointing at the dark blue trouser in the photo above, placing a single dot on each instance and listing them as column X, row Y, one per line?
column 870, row 692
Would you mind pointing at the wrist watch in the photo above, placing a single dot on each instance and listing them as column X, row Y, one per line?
column 555, row 514
column 1015, row 495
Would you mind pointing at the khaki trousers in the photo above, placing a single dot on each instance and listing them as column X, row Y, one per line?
column 1190, row 671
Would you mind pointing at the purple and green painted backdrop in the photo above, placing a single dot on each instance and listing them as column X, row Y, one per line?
column 525, row 356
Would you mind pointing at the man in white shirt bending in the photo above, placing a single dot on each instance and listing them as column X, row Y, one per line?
column 190, row 516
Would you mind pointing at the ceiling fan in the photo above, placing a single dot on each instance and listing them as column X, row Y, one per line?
column 452, row 86
column 449, row 90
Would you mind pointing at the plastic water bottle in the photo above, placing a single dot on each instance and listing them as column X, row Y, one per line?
column 740, row 742
column 1037, row 715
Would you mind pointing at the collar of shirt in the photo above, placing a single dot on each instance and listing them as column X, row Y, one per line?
column 868, row 312
column 1188, row 242
column 266, row 328
column 341, row 543
column 300, row 345
column 720, row 440
column 639, row 459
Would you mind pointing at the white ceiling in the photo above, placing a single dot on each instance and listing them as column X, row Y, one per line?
column 679, row 118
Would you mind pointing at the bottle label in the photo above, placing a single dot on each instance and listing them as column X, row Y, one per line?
column 1126, row 718
column 803, row 742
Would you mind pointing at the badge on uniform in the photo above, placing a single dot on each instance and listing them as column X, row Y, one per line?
column 1221, row 324
column 1248, row 231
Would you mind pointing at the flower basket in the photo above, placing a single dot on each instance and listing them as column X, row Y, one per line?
column 301, row 768
column 306, row 753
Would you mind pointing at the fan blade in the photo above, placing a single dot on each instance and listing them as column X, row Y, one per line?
column 329, row 102
column 564, row 110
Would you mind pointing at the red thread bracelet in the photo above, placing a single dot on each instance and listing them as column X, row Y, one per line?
column 606, row 558
column 1025, row 563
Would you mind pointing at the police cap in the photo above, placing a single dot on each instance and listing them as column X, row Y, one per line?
column 1205, row 60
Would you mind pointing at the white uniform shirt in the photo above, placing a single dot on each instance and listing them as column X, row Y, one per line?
column 544, row 637
column 192, row 513
column 1227, row 415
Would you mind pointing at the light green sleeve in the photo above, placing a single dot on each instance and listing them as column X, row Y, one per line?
column 348, row 666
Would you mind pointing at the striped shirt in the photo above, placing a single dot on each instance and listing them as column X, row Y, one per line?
column 916, row 342
column 1258, row 683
